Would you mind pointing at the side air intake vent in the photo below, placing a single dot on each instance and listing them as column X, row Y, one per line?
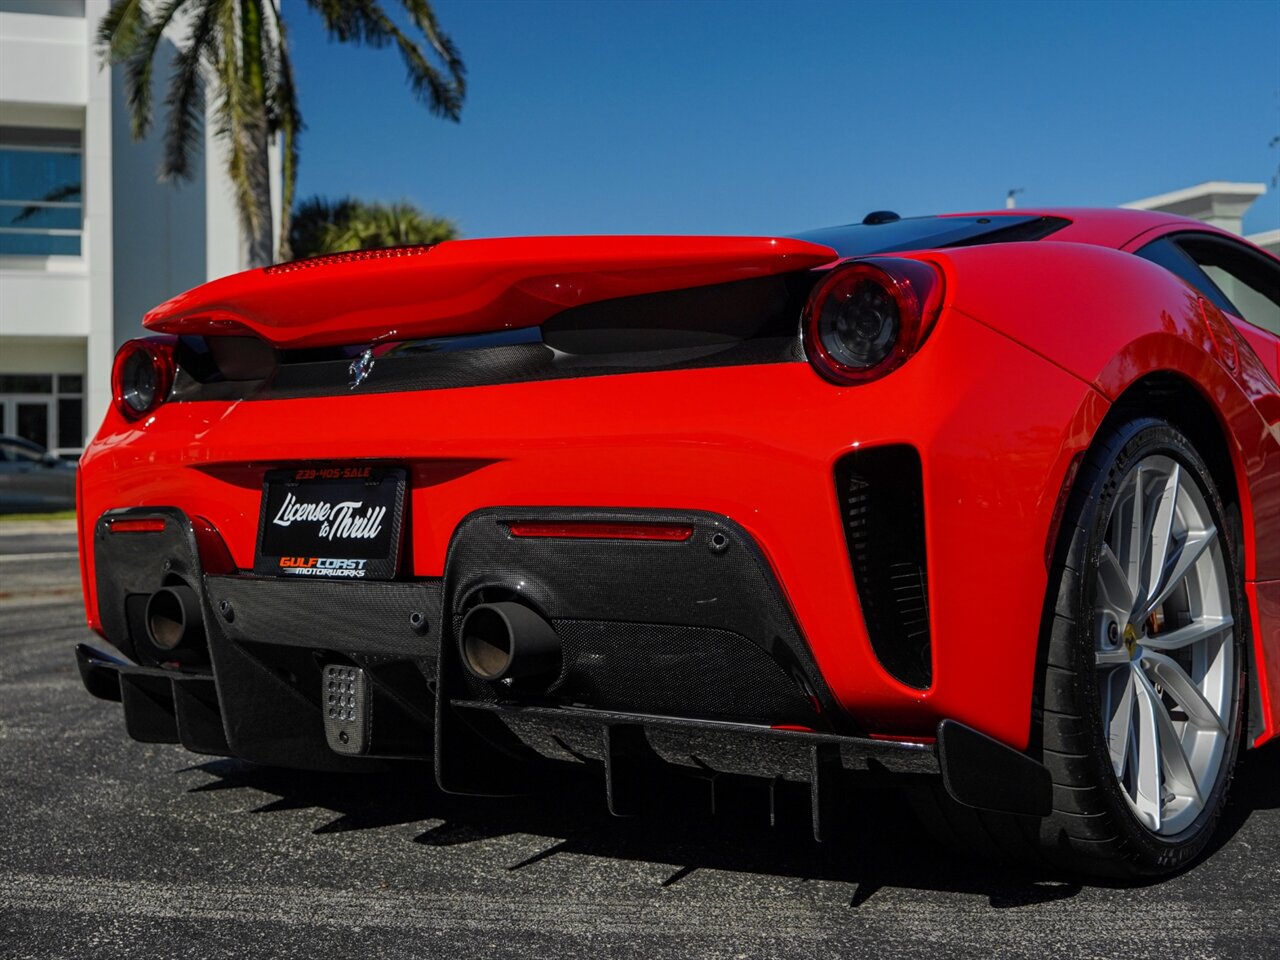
column 881, row 497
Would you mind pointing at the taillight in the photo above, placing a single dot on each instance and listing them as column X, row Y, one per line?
column 142, row 376
column 868, row 317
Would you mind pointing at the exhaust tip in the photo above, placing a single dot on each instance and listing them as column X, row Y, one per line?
column 508, row 641
column 486, row 642
column 173, row 617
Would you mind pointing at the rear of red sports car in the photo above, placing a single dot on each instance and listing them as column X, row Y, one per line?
column 647, row 505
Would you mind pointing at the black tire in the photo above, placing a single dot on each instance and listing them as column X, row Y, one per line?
column 1094, row 829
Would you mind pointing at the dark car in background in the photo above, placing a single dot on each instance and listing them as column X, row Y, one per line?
column 33, row 480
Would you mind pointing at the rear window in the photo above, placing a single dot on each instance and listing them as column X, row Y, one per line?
column 924, row 233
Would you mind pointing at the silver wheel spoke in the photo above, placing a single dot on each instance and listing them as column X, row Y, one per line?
column 1121, row 721
column 1192, row 633
column 1134, row 553
column 1183, row 689
column 1160, row 537
column 1174, row 766
column 1149, row 783
column 1112, row 579
column 1178, row 566
column 1110, row 659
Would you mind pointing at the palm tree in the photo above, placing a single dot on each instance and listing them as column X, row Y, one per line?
column 236, row 52
column 333, row 226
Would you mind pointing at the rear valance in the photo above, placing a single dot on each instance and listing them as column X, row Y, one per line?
column 465, row 286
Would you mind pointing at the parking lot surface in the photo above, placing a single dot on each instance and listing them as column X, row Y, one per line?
column 112, row 848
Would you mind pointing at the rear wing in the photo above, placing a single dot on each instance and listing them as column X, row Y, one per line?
column 464, row 286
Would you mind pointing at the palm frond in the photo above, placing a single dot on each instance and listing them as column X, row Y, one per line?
column 352, row 21
column 336, row 226
column 442, row 97
column 425, row 19
column 312, row 222
column 241, row 122
column 366, row 22
column 186, row 99
column 139, row 64
column 119, row 28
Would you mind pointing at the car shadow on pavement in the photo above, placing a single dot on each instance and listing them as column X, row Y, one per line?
column 883, row 846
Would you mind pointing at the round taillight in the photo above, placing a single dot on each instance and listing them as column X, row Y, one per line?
column 142, row 376
column 864, row 319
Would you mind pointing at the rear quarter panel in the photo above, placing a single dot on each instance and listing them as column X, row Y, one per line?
column 1111, row 319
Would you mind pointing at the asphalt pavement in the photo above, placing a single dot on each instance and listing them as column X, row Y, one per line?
column 118, row 849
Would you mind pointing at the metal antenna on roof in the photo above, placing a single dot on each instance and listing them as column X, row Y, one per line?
column 1011, row 198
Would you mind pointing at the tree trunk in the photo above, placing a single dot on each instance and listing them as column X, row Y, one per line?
column 258, row 221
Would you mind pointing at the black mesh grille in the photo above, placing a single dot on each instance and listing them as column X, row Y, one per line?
column 671, row 670
column 882, row 500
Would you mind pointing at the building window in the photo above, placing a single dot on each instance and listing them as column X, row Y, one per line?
column 44, row 408
column 41, row 196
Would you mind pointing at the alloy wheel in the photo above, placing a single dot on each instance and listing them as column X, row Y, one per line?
column 1164, row 645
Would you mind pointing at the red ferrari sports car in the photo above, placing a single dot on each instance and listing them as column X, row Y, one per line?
column 984, row 505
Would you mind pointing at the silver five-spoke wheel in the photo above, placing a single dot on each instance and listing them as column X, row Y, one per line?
column 1164, row 645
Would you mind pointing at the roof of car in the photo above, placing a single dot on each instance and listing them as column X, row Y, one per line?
column 1108, row 227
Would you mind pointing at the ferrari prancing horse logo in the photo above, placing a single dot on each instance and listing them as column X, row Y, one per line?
column 360, row 368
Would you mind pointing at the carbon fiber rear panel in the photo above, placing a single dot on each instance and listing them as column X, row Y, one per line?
column 695, row 628
column 396, row 619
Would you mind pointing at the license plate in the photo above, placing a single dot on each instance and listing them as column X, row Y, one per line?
column 332, row 522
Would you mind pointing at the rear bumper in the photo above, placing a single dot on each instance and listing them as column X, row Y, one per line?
column 647, row 689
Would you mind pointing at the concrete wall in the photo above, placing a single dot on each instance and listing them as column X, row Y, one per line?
column 100, row 168
column 40, row 303
column 43, row 59
column 44, row 355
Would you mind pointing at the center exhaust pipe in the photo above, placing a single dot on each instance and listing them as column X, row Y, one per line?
column 509, row 641
column 173, row 617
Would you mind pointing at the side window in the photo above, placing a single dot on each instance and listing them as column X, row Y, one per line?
column 1169, row 256
column 1248, row 279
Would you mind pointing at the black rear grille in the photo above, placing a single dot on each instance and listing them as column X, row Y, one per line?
column 881, row 497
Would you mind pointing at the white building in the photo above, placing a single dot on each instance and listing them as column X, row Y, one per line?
column 1219, row 203
column 89, row 241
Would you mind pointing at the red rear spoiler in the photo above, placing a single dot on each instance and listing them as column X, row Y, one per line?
column 464, row 286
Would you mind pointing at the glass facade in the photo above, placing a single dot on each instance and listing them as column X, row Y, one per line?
column 41, row 192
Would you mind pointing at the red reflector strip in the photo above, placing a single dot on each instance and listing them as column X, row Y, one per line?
column 137, row 526
column 603, row 531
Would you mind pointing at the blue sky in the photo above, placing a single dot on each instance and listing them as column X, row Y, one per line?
column 603, row 116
